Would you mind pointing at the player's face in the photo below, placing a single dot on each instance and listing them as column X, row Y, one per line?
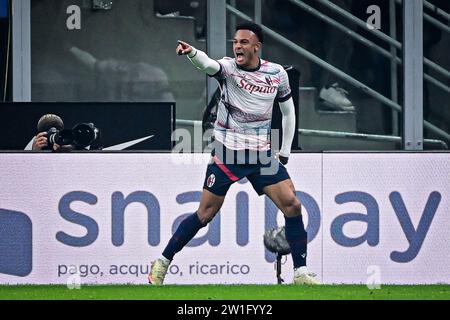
column 246, row 48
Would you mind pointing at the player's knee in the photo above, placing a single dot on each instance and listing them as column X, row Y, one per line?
column 206, row 215
column 293, row 208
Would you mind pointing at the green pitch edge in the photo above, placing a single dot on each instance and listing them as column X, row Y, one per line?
column 224, row 292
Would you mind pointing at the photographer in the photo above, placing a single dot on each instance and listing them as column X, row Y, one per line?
column 52, row 136
column 40, row 142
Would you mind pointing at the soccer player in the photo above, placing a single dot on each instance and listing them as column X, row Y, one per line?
column 249, row 86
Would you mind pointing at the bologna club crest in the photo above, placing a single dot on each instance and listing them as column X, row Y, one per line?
column 211, row 180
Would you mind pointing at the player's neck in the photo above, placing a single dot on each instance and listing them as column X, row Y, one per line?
column 254, row 66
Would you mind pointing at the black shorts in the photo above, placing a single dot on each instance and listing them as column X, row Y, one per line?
column 228, row 166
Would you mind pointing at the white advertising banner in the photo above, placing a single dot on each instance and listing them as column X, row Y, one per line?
column 386, row 218
column 101, row 218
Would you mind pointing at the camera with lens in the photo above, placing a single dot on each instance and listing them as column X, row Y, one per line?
column 80, row 136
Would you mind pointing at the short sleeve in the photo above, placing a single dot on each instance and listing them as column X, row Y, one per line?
column 284, row 89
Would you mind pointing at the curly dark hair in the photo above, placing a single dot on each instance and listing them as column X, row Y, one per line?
column 255, row 28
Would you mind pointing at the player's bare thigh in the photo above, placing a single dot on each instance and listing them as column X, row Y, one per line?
column 210, row 204
column 283, row 195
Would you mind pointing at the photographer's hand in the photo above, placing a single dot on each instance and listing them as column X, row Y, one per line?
column 64, row 148
column 40, row 141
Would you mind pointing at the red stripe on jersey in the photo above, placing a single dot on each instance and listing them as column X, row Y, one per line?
column 225, row 170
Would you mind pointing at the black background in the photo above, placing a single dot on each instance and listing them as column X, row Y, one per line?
column 118, row 122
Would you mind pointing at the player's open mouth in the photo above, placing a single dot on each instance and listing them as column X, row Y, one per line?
column 239, row 57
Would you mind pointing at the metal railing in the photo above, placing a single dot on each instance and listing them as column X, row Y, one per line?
column 305, row 53
column 355, row 20
column 394, row 68
column 432, row 20
column 335, row 134
column 367, row 137
column 374, row 46
column 436, row 10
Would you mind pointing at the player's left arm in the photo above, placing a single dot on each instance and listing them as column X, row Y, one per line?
column 288, row 124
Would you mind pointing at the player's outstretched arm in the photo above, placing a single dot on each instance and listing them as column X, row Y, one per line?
column 288, row 123
column 198, row 58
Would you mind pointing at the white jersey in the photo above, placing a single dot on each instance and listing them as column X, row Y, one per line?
column 244, row 112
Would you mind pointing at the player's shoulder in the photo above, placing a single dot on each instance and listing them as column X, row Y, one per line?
column 227, row 61
column 271, row 67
